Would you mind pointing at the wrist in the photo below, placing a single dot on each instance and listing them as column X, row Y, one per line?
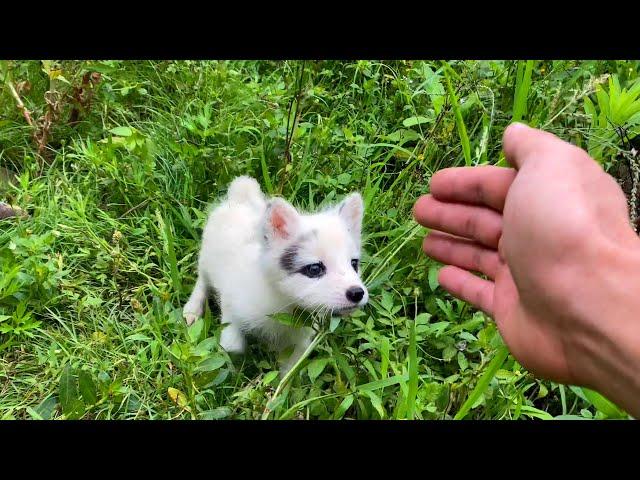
column 608, row 348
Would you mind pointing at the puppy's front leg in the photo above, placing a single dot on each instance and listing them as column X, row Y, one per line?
column 300, row 344
column 194, row 307
column 232, row 339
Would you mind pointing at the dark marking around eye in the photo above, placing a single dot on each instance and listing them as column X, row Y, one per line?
column 288, row 259
column 313, row 270
column 355, row 263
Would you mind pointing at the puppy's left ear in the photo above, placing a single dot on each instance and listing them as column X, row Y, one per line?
column 351, row 210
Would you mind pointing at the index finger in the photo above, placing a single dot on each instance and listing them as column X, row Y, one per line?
column 485, row 185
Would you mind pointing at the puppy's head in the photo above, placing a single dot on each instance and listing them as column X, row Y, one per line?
column 315, row 259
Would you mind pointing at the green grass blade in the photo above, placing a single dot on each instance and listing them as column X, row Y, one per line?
column 483, row 383
column 413, row 371
column 289, row 413
column 603, row 404
column 462, row 129
column 265, row 172
column 563, row 399
column 167, row 238
column 523, row 86
column 385, row 382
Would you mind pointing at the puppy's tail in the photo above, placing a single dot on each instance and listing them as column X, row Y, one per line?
column 246, row 190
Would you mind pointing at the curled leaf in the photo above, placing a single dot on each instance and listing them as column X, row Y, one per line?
column 177, row 397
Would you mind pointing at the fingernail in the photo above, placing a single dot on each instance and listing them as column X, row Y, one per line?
column 518, row 125
column 513, row 128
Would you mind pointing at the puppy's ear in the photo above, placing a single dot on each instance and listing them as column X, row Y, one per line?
column 282, row 221
column 351, row 210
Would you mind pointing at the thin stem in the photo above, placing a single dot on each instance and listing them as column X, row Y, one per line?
column 292, row 371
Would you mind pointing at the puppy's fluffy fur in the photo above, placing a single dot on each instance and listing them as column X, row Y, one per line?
column 263, row 257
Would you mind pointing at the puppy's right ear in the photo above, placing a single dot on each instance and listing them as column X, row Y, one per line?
column 351, row 211
column 282, row 221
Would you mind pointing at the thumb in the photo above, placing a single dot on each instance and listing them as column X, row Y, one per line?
column 522, row 143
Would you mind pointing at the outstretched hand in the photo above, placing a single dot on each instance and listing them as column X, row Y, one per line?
column 549, row 235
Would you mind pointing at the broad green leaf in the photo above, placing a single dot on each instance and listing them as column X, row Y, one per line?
column 68, row 392
column 578, row 391
column 333, row 324
column 284, row 318
column 412, row 121
column 603, row 404
column 376, row 401
column 344, row 178
column 401, row 136
column 216, row 413
column 462, row 361
column 211, row 364
column 543, row 392
column 296, row 319
column 343, row 407
column 195, row 330
column 270, row 377
column 433, row 278
column 47, row 407
column 34, row 414
column 205, row 346
column 478, row 402
column 87, row 388
column 590, row 110
column 221, row 377
column 535, row 412
column 448, row 353
column 122, row 131
column 468, row 336
column 316, row 367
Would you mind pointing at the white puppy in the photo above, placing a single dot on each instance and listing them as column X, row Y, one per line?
column 263, row 257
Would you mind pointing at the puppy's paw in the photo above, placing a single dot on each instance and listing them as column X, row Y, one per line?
column 192, row 310
column 190, row 317
column 233, row 340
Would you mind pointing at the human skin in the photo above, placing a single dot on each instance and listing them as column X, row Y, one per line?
column 562, row 264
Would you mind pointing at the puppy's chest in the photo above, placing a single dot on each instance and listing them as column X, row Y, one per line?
column 251, row 295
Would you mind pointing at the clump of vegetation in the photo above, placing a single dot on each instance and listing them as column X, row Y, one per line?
column 113, row 165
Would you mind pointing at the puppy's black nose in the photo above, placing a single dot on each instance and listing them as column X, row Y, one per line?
column 355, row 294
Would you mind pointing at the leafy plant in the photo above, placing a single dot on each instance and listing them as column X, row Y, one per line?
column 618, row 108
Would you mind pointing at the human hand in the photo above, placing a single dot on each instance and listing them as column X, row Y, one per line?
column 552, row 236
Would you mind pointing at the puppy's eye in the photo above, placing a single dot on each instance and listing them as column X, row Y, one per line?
column 314, row 270
column 354, row 264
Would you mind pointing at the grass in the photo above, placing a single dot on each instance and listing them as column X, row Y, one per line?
column 92, row 282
